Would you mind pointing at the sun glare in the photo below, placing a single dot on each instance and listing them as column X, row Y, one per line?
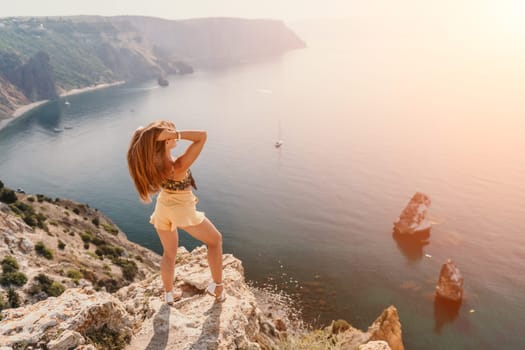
column 509, row 16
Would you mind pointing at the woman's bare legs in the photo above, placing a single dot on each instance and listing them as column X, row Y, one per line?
column 170, row 243
column 208, row 233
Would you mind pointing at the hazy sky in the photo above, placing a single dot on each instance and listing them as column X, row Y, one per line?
column 474, row 15
column 278, row 9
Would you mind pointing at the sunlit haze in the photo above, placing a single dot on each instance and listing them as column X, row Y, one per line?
column 505, row 13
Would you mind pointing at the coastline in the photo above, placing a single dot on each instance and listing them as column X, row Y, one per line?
column 22, row 110
column 90, row 88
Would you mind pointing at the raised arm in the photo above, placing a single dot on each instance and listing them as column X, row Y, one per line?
column 198, row 138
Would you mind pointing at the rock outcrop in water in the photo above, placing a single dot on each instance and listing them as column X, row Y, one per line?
column 413, row 218
column 450, row 282
column 384, row 333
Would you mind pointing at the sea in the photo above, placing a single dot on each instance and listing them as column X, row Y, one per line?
column 368, row 116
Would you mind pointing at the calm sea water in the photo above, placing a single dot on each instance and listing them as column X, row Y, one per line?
column 366, row 121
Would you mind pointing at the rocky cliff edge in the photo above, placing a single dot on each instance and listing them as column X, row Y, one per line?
column 82, row 314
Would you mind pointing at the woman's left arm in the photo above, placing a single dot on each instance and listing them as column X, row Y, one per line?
column 198, row 138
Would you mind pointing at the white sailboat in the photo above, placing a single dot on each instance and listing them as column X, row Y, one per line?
column 279, row 141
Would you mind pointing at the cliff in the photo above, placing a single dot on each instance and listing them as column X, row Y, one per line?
column 71, row 279
column 34, row 78
column 216, row 41
column 10, row 98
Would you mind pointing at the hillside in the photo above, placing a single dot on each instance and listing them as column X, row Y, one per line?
column 43, row 57
column 215, row 41
column 66, row 242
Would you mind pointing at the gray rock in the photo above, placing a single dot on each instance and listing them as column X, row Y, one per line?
column 413, row 217
column 387, row 327
column 450, row 283
column 375, row 345
column 26, row 246
column 67, row 340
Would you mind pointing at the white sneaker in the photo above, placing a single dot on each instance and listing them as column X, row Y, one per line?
column 211, row 291
column 170, row 298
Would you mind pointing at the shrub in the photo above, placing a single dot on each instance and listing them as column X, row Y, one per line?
column 94, row 256
column 129, row 268
column 21, row 206
column 13, row 278
column 109, row 250
column 31, row 220
column 75, row 275
column 108, row 339
column 31, row 199
column 95, row 221
column 41, row 249
column 42, row 283
column 61, row 245
column 111, row 285
column 86, row 237
column 55, row 289
column 28, row 214
column 3, row 304
column 76, row 211
column 9, row 264
column 40, row 198
column 13, row 298
column 86, row 245
column 1, row 184
column 8, row 196
column 98, row 241
column 111, row 229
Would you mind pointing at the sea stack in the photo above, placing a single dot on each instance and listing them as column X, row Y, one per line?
column 450, row 283
column 162, row 81
column 413, row 218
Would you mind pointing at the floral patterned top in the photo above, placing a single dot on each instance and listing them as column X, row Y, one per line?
column 180, row 185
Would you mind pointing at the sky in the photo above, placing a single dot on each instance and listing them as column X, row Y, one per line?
column 276, row 9
column 176, row 9
column 502, row 16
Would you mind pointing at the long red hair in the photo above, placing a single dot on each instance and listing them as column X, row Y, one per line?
column 147, row 158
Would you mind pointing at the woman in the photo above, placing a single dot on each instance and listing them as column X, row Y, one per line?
column 153, row 169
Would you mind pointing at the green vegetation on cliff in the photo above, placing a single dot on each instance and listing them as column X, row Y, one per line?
column 76, row 50
column 43, row 56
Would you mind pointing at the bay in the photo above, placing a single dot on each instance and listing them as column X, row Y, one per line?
column 365, row 125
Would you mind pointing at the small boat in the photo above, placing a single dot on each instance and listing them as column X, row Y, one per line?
column 20, row 190
column 279, row 141
column 58, row 130
column 68, row 127
column 67, row 103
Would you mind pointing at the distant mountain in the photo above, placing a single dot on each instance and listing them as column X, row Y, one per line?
column 42, row 57
column 215, row 41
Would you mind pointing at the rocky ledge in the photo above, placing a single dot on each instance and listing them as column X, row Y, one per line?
column 135, row 317
column 97, row 290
